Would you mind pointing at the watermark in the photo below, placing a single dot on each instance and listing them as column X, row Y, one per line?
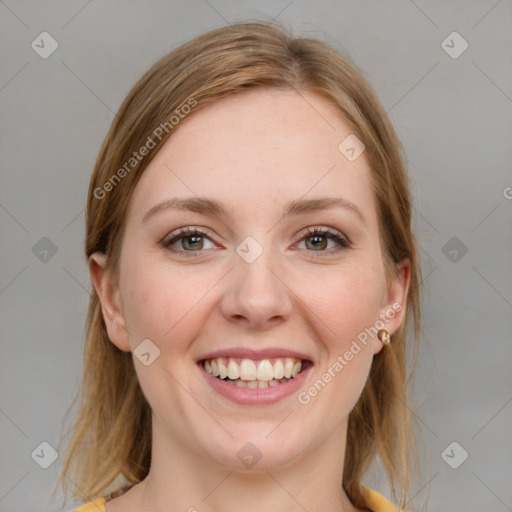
column 249, row 455
column 351, row 147
column 454, row 249
column 304, row 397
column 454, row 455
column 507, row 192
column 44, row 45
column 454, row 45
column 44, row 250
column 249, row 249
column 163, row 128
column 44, row 455
column 146, row 352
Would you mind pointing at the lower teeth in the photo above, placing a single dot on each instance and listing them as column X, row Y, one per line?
column 255, row 384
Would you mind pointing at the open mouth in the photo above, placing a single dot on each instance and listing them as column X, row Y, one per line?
column 255, row 374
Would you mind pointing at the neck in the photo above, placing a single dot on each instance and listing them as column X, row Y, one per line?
column 181, row 479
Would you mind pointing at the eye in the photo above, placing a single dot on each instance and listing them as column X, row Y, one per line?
column 187, row 240
column 322, row 240
column 319, row 240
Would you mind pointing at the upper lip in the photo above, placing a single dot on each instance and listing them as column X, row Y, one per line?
column 247, row 353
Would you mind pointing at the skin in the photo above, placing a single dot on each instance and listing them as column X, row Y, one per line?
column 255, row 152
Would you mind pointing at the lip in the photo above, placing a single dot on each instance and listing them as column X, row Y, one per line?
column 246, row 353
column 248, row 396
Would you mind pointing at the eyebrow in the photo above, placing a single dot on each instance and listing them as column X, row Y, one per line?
column 208, row 206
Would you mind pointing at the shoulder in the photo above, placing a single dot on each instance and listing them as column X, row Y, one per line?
column 377, row 502
column 97, row 505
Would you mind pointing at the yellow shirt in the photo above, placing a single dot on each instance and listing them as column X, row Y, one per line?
column 376, row 502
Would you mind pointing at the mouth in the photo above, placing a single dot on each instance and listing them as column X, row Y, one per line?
column 255, row 373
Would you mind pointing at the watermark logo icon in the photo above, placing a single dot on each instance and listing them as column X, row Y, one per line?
column 146, row 352
column 44, row 250
column 44, row 455
column 454, row 455
column 351, row 147
column 249, row 455
column 454, row 45
column 44, row 45
column 249, row 250
column 454, row 249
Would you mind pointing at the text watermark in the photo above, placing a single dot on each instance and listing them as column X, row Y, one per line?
column 304, row 397
column 180, row 113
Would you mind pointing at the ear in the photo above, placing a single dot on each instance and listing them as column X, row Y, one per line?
column 107, row 289
column 394, row 308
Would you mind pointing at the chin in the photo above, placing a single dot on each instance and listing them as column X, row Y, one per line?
column 251, row 449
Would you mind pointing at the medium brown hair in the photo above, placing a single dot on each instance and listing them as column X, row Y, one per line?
column 111, row 438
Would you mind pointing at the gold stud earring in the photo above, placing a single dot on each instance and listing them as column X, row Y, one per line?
column 384, row 336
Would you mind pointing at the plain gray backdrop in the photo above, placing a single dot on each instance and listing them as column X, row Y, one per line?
column 452, row 107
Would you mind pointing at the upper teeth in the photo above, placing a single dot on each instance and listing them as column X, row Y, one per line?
column 250, row 370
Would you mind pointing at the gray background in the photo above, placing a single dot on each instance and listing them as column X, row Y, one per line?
column 454, row 116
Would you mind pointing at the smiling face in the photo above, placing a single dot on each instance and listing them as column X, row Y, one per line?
column 280, row 257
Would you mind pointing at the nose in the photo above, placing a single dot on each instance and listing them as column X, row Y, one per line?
column 256, row 296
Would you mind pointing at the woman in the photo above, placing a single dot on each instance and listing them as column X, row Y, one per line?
column 249, row 242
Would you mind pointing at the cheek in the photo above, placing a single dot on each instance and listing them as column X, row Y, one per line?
column 354, row 303
column 161, row 303
column 347, row 301
column 342, row 311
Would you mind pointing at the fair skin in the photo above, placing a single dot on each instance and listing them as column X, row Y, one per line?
column 255, row 152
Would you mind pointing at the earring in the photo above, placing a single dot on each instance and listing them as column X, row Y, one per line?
column 384, row 336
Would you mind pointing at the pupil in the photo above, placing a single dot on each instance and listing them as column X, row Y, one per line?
column 195, row 240
column 318, row 242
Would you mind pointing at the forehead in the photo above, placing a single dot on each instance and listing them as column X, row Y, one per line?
column 262, row 148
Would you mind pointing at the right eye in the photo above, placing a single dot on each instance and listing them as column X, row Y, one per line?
column 190, row 240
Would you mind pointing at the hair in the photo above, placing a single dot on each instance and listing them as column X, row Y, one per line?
column 111, row 438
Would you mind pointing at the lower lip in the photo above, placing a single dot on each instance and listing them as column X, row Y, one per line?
column 248, row 396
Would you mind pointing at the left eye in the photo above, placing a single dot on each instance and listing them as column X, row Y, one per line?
column 318, row 240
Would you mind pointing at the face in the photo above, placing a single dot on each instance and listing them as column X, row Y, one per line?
column 273, row 274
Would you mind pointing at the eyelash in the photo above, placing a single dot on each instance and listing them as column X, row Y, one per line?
column 342, row 241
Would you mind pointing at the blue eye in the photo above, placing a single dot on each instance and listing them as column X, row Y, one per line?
column 191, row 240
column 317, row 240
column 194, row 240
